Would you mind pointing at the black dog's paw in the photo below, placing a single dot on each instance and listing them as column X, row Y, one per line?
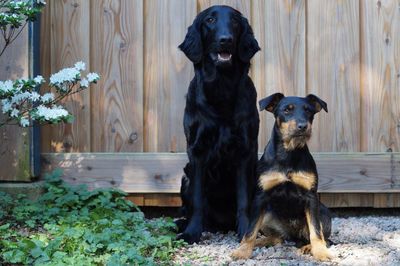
column 188, row 237
column 181, row 224
column 243, row 223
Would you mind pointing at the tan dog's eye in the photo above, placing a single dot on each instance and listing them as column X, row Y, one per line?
column 288, row 109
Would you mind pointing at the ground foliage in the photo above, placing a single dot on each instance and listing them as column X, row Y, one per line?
column 69, row 225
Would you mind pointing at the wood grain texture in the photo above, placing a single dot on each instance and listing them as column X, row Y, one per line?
column 117, row 55
column 162, row 172
column 167, row 73
column 69, row 43
column 14, row 141
column 46, row 132
column 280, row 28
column 156, row 199
column 356, row 172
column 347, row 200
column 333, row 73
column 380, row 66
column 330, row 200
column 244, row 6
column 365, row 200
column 131, row 172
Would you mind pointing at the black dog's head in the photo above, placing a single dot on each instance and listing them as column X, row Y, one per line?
column 294, row 116
column 221, row 35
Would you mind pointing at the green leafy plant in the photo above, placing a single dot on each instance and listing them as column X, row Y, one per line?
column 69, row 225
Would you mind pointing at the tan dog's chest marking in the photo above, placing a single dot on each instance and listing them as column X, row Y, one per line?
column 306, row 180
column 272, row 179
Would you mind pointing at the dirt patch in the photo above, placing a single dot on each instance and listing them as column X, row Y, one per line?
column 366, row 240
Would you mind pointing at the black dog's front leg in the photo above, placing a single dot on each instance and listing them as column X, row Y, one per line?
column 242, row 199
column 194, row 228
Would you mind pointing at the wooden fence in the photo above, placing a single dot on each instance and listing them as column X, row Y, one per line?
column 15, row 141
column 347, row 52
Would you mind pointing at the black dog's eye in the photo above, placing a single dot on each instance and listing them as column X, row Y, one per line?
column 235, row 22
column 210, row 20
column 288, row 109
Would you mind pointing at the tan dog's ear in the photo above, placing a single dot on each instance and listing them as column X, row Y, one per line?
column 269, row 103
column 317, row 103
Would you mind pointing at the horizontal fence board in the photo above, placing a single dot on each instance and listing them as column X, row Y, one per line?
column 331, row 200
column 162, row 172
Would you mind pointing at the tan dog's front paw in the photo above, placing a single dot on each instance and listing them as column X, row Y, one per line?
column 321, row 253
column 305, row 249
column 243, row 252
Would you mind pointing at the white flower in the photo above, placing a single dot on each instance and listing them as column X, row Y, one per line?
column 84, row 83
column 56, row 112
column 47, row 97
column 80, row 66
column 34, row 96
column 7, row 105
column 6, row 86
column 14, row 113
column 65, row 75
column 19, row 97
column 39, row 79
column 92, row 77
column 24, row 122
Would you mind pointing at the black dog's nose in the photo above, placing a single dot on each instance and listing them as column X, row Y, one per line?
column 225, row 39
column 302, row 126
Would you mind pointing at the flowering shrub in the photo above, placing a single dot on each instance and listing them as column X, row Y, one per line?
column 19, row 99
column 14, row 16
column 22, row 104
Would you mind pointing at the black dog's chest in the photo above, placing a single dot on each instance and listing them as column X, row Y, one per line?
column 224, row 140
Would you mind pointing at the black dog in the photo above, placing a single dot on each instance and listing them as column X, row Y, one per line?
column 286, row 205
column 221, row 124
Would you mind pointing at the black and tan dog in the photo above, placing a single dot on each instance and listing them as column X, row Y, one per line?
column 286, row 205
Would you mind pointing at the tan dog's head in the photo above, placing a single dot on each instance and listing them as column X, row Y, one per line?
column 293, row 116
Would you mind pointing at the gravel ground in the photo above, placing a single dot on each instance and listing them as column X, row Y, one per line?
column 360, row 240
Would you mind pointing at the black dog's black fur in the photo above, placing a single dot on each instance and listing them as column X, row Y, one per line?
column 286, row 205
column 221, row 124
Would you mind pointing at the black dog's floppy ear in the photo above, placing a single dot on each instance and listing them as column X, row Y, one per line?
column 270, row 102
column 317, row 102
column 248, row 44
column 192, row 46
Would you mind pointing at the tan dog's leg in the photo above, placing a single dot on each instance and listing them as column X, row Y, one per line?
column 268, row 241
column 247, row 244
column 317, row 242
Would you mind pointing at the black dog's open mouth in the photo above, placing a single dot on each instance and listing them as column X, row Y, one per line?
column 221, row 58
column 224, row 57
